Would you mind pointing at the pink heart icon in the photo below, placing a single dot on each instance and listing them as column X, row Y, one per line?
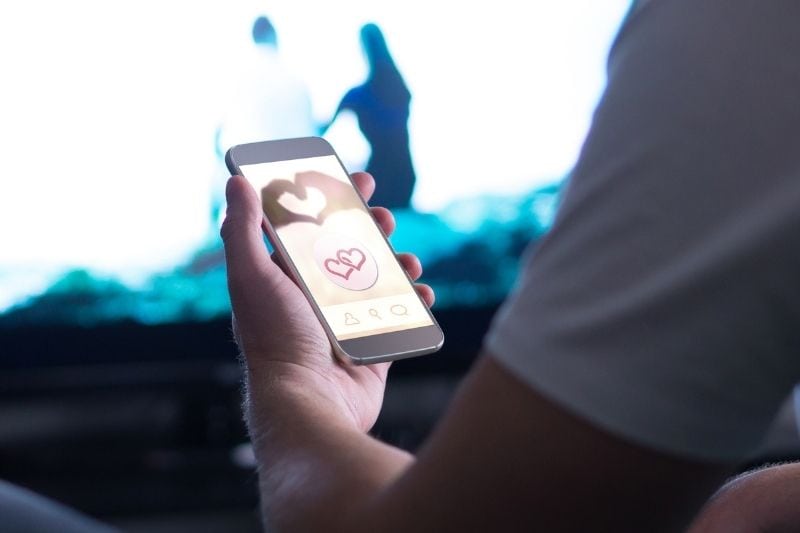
column 337, row 268
column 353, row 257
column 345, row 262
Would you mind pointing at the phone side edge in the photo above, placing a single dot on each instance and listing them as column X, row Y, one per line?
column 429, row 339
column 233, row 168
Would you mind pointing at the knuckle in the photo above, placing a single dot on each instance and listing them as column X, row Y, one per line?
column 228, row 229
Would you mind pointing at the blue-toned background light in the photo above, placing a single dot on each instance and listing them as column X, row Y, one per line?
column 109, row 114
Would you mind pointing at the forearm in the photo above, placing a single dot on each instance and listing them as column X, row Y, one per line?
column 767, row 501
column 316, row 471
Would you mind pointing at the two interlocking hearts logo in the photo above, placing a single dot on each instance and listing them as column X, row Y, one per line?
column 345, row 262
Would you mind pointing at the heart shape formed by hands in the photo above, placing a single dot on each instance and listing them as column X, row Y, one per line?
column 346, row 262
column 307, row 201
column 311, row 197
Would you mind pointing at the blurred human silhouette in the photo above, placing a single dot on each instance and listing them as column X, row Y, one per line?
column 381, row 105
column 271, row 102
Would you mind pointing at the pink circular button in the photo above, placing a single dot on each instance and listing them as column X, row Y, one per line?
column 345, row 261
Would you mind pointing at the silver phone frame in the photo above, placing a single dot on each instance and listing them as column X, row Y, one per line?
column 306, row 147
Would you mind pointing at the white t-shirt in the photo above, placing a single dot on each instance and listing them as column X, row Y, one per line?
column 664, row 305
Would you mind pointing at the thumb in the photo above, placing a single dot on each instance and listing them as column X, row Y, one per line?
column 245, row 253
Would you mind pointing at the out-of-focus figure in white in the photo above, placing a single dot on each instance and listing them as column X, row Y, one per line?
column 271, row 102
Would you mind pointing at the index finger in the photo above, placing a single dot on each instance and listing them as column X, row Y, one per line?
column 365, row 184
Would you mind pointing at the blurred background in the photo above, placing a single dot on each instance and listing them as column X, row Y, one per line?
column 118, row 378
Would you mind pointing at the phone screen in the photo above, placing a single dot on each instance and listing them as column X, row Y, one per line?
column 336, row 247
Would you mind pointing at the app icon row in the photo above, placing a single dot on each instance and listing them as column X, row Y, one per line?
column 350, row 319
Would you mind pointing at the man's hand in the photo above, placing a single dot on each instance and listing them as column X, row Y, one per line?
column 503, row 457
column 285, row 349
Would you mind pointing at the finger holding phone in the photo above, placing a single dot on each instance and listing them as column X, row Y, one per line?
column 301, row 334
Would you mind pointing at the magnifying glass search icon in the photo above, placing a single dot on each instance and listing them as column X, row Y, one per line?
column 399, row 310
column 374, row 313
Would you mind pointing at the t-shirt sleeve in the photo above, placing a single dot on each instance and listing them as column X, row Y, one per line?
column 664, row 304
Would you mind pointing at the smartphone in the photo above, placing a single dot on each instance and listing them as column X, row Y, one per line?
column 321, row 228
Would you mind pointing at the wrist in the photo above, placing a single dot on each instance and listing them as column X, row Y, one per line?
column 282, row 396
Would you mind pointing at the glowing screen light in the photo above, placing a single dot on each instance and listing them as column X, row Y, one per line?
column 113, row 114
